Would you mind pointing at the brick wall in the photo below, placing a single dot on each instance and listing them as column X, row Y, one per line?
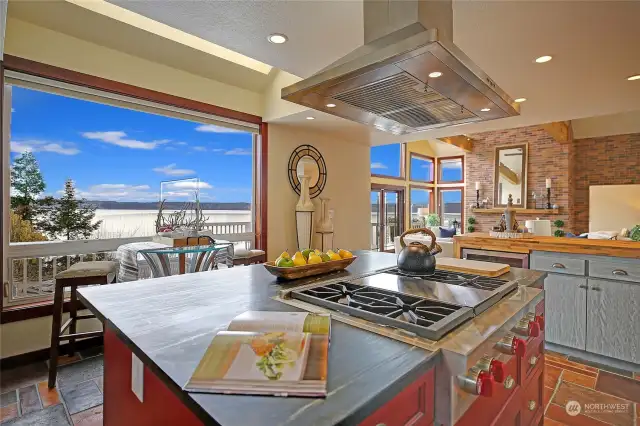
column 547, row 158
column 610, row 160
column 573, row 167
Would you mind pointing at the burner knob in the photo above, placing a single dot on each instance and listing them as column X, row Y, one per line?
column 527, row 327
column 512, row 345
column 490, row 365
column 539, row 319
column 497, row 370
column 477, row 382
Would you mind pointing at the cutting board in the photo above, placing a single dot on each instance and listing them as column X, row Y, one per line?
column 487, row 269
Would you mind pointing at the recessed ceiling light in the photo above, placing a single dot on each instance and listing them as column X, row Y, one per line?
column 331, row 105
column 435, row 74
column 543, row 59
column 277, row 38
column 485, row 109
column 634, row 77
column 521, row 100
column 311, row 118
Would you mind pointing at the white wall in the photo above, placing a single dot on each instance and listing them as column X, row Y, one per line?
column 348, row 186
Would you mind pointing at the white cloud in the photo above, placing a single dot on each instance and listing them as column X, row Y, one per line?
column 188, row 185
column 218, row 150
column 44, row 146
column 378, row 166
column 117, row 192
column 13, row 110
column 181, row 143
column 118, row 138
column 212, row 128
column 238, row 151
column 171, row 170
column 199, row 148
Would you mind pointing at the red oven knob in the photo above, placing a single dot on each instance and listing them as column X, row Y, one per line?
column 534, row 329
column 497, row 370
column 512, row 345
column 477, row 382
column 540, row 321
column 484, row 384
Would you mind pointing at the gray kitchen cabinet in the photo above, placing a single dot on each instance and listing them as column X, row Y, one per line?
column 613, row 320
column 566, row 310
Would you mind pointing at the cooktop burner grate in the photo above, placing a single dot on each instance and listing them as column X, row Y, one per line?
column 425, row 317
column 457, row 278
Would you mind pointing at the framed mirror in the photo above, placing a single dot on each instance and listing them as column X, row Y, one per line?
column 510, row 164
column 307, row 160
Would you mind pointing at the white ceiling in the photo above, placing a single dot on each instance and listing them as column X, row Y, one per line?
column 594, row 45
column 319, row 32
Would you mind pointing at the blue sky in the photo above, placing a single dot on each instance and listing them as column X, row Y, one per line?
column 385, row 160
column 118, row 154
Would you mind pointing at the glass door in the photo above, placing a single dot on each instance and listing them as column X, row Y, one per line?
column 387, row 217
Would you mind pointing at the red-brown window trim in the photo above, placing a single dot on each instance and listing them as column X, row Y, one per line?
column 431, row 190
column 422, row 157
column 39, row 69
column 460, row 188
column 440, row 181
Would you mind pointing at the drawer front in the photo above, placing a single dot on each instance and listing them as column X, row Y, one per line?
column 413, row 406
column 533, row 358
column 558, row 264
column 532, row 399
column 615, row 270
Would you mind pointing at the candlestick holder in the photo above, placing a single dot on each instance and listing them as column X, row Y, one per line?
column 477, row 198
column 549, row 198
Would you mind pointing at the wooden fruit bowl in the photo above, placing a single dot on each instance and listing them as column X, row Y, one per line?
column 296, row 272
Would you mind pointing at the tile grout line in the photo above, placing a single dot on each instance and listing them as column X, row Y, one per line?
column 553, row 394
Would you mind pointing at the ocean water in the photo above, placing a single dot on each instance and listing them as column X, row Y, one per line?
column 141, row 223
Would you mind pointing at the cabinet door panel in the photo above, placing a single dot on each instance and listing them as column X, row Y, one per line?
column 613, row 319
column 565, row 310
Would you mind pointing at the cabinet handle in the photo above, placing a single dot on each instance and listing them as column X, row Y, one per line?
column 509, row 382
column 619, row 272
column 586, row 287
column 596, row 289
column 558, row 266
column 532, row 405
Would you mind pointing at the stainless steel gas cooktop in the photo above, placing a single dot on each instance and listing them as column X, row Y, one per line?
column 429, row 306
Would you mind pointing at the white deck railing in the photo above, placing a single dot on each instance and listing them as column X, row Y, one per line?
column 32, row 266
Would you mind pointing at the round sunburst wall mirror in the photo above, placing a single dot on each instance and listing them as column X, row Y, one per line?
column 307, row 160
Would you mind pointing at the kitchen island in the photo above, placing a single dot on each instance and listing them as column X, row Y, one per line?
column 168, row 323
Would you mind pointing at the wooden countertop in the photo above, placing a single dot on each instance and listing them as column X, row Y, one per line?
column 477, row 240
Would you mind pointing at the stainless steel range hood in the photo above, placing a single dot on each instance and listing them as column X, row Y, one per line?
column 386, row 84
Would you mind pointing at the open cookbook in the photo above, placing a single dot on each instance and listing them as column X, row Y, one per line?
column 267, row 353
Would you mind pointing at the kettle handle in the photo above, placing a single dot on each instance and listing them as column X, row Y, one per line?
column 417, row 231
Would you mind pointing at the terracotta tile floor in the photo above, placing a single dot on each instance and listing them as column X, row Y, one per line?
column 78, row 398
column 605, row 396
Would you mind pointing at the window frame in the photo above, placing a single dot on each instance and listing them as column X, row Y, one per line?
column 460, row 188
column 449, row 182
column 426, row 158
column 36, row 309
column 431, row 190
column 403, row 165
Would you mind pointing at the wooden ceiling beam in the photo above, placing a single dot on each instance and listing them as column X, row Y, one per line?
column 461, row 141
column 509, row 174
column 559, row 130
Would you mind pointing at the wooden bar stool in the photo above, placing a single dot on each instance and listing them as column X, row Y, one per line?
column 82, row 273
column 248, row 257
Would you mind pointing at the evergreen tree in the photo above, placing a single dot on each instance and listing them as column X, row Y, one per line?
column 69, row 217
column 26, row 184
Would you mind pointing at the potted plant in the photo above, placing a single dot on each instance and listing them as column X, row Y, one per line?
column 558, row 224
column 433, row 220
column 471, row 221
